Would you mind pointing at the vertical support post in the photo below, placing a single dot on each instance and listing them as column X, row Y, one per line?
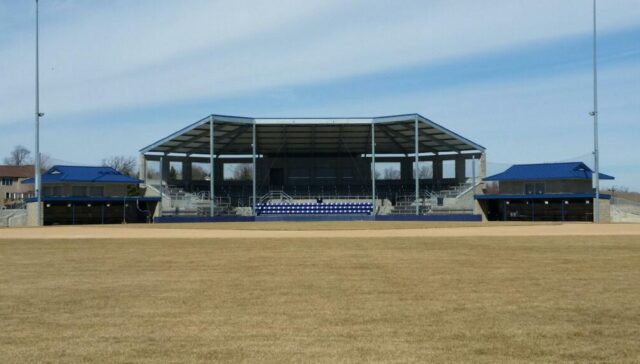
column 533, row 211
column 161, row 189
column 124, row 210
column 142, row 172
column 253, row 157
column 212, row 167
column 483, row 167
column 505, row 212
column 437, row 171
column 187, row 176
column 373, row 168
column 416, row 176
column 460, row 169
column 473, row 173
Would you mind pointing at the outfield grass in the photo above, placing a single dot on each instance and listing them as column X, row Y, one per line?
column 499, row 299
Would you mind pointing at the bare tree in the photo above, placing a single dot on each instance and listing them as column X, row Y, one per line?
column 390, row 173
column 19, row 156
column 45, row 162
column 198, row 173
column 424, row 171
column 243, row 172
column 122, row 164
column 173, row 174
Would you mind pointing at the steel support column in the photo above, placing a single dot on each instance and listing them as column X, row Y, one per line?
column 373, row 168
column 473, row 173
column 161, row 189
column 533, row 211
column 416, row 177
column 416, row 164
column 253, row 157
column 142, row 172
column 505, row 213
column 212, row 167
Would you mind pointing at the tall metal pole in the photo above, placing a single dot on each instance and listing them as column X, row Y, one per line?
column 212, row 167
column 38, row 173
column 596, row 150
column 373, row 168
column 253, row 156
column 416, row 167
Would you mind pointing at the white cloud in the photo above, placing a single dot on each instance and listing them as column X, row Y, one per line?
column 141, row 54
column 529, row 120
column 109, row 56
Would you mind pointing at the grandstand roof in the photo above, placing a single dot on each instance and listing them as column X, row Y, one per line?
column 233, row 135
column 546, row 171
column 85, row 174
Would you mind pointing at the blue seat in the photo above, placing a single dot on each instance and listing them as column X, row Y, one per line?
column 310, row 208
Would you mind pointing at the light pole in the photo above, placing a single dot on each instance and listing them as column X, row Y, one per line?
column 38, row 172
column 594, row 113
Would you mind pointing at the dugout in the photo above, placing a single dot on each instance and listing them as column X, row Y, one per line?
column 234, row 164
column 73, row 195
column 543, row 192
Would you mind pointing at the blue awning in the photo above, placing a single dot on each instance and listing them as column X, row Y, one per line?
column 84, row 174
column 545, row 196
column 94, row 199
column 547, row 171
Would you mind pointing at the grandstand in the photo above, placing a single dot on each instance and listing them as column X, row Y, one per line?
column 241, row 166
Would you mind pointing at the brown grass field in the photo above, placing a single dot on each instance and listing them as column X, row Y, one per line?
column 321, row 292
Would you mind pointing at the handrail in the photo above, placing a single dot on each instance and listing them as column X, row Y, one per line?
column 275, row 195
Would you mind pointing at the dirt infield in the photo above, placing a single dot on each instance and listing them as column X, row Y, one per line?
column 312, row 230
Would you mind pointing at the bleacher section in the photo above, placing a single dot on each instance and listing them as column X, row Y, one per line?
column 331, row 208
column 235, row 198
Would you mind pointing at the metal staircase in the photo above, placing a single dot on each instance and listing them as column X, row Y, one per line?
column 406, row 205
column 176, row 201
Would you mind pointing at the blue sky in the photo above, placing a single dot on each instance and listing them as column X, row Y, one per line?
column 514, row 76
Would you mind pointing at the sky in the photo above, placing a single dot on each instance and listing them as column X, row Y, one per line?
column 512, row 75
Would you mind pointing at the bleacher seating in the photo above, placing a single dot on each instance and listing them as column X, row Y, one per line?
column 327, row 208
column 240, row 193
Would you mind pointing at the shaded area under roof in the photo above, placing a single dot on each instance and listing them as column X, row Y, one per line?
column 546, row 171
column 290, row 136
column 85, row 174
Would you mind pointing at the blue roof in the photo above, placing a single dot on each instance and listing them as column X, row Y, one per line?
column 546, row 171
column 85, row 174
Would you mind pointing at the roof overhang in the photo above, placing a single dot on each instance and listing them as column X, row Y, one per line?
column 95, row 199
column 546, row 196
column 234, row 135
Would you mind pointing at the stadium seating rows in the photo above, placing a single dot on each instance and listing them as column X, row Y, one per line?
column 334, row 208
